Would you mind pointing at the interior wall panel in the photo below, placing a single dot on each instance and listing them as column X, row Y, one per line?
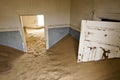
column 75, row 34
column 56, row 34
column 12, row 39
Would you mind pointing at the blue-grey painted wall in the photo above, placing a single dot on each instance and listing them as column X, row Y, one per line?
column 75, row 34
column 56, row 34
column 11, row 39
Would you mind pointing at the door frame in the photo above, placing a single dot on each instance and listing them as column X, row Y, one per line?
column 23, row 36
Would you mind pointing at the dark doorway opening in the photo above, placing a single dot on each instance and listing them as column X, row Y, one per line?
column 110, row 20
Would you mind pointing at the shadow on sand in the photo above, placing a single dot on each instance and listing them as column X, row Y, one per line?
column 7, row 55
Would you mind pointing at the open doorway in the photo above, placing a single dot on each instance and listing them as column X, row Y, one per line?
column 34, row 32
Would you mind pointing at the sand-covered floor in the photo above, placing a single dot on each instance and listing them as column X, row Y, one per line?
column 58, row 63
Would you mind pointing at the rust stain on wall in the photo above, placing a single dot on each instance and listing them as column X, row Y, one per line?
column 105, row 53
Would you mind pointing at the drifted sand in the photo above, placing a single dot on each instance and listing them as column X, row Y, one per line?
column 58, row 63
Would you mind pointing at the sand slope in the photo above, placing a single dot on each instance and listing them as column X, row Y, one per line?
column 58, row 63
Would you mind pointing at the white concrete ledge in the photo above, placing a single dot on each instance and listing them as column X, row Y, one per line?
column 64, row 25
column 9, row 29
column 58, row 26
column 75, row 28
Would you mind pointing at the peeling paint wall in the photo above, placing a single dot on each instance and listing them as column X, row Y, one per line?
column 99, row 40
column 57, row 12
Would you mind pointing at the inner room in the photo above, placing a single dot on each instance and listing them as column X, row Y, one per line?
column 60, row 40
column 34, row 32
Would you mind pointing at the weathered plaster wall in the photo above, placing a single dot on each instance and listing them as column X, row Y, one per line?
column 55, row 11
column 93, row 10
column 80, row 9
column 30, row 21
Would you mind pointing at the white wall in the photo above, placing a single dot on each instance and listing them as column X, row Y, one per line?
column 80, row 9
column 30, row 21
column 93, row 10
column 55, row 11
column 107, row 9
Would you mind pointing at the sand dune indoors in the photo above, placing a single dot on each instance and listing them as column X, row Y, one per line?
column 58, row 63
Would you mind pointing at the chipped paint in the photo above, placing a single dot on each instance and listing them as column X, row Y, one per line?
column 99, row 41
column 105, row 53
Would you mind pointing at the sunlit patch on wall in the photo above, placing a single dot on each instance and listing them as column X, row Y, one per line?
column 40, row 20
